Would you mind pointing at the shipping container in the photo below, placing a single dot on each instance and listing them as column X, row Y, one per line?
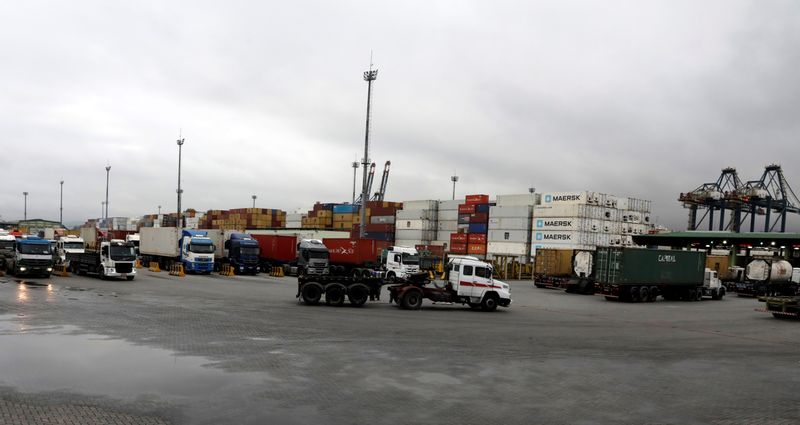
column 564, row 238
column 450, row 205
column 416, row 215
column 435, row 250
column 446, row 226
column 476, row 249
column 516, row 236
column 458, row 238
column 345, row 209
column 476, row 199
column 508, row 248
column 382, row 219
column 415, row 225
column 478, row 228
column 623, row 272
column 355, row 252
column 420, row 235
column 466, row 209
column 277, row 248
column 510, row 223
column 483, row 208
column 479, row 217
column 510, row 212
column 427, row 204
column 569, row 210
column 458, row 248
column 476, row 238
column 528, row 199
column 379, row 236
column 566, row 224
column 720, row 264
column 463, row 218
column 451, row 215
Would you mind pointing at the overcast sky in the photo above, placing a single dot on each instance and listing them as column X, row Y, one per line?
column 640, row 98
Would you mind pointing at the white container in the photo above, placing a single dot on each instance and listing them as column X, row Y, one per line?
column 510, row 223
column 447, row 226
column 507, row 248
column 448, row 215
column 415, row 215
column 382, row 219
column 603, row 239
column 160, row 241
column 450, row 205
column 516, row 236
column 610, row 201
column 415, row 225
column 510, row 212
column 517, row 200
column 415, row 234
column 585, row 211
column 563, row 238
column 409, row 242
column 566, row 198
column 628, row 216
column 570, row 224
column 534, row 247
column 427, row 204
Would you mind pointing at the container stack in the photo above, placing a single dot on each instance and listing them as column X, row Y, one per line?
column 294, row 220
column 447, row 222
column 380, row 219
column 473, row 219
column 345, row 216
column 416, row 223
column 634, row 217
column 243, row 218
column 510, row 227
column 320, row 217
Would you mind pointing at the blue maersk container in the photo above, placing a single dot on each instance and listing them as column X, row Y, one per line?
column 345, row 209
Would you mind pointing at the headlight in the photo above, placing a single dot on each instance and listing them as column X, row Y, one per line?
column 49, row 269
column 22, row 269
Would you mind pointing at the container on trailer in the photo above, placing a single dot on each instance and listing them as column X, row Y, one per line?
column 355, row 251
column 553, row 262
column 720, row 264
column 157, row 241
column 626, row 266
column 436, row 250
column 773, row 271
column 277, row 248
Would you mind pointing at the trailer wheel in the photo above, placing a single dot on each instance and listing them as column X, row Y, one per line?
column 358, row 294
column 334, row 295
column 644, row 294
column 311, row 293
column 653, row 296
column 698, row 294
column 356, row 274
column 721, row 292
column 366, row 274
column 489, row 302
column 633, row 294
column 411, row 300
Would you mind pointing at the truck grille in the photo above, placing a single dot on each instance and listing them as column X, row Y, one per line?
column 124, row 267
column 35, row 262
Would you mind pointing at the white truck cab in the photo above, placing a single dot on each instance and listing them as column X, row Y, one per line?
column 68, row 244
column 712, row 286
column 400, row 261
column 472, row 281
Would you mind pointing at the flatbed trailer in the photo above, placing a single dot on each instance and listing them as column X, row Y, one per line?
column 787, row 307
column 335, row 289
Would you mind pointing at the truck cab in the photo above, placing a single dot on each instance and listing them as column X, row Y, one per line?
column 243, row 253
column 117, row 259
column 32, row 255
column 196, row 251
column 472, row 281
column 133, row 239
column 68, row 245
column 6, row 248
column 399, row 262
column 312, row 257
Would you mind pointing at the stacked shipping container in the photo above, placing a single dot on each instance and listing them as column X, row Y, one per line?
column 380, row 221
column 243, row 218
column 416, row 223
column 473, row 221
column 510, row 227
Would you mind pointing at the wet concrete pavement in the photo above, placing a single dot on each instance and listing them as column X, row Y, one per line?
column 212, row 349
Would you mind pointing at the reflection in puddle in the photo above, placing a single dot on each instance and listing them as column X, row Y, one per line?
column 59, row 358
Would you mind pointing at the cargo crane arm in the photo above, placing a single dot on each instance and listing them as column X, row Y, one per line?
column 384, row 181
column 370, row 178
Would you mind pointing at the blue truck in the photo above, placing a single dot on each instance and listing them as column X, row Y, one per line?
column 239, row 250
column 170, row 245
column 32, row 256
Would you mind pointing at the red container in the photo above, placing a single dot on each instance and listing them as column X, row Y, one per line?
column 458, row 248
column 477, row 199
column 435, row 250
column 277, row 248
column 477, row 238
column 479, row 249
column 458, row 238
column 466, row 209
column 479, row 218
column 380, row 228
column 355, row 251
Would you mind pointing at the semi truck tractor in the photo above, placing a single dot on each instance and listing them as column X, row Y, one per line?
column 467, row 281
column 237, row 249
column 169, row 245
column 103, row 257
column 641, row 275
column 68, row 244
column 6, row 248
column 32, row 256
column 369, row 258
column 569, row 269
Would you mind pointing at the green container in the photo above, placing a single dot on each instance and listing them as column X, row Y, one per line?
column 630, row 266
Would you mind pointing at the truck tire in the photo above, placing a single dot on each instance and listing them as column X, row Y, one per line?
column 102, row 273
column 366, row 274
column 721, row 292
column 489, row 302
column 334, row 295
column 633, row 294
column 391, row 277
column 311, row 293
column 356, row 275
column 653, row 294
column 698, row 294
column 411, row 300
column 644, row 294
column 358, row 295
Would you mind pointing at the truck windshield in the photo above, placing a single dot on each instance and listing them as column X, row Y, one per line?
column 6, row 244
column 33, row 249
column 410, row 259
column 73, row 245
column 122, row 253
column 201, row 249
column 319, row 255
column 249, row 250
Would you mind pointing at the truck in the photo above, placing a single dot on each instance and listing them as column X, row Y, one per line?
column 68, row 244
column 32, row 256
column 764, row 276
column 568, row 269
column 367, row 258
column 468, row 280
column 103, row 257
column 133, row 239
column 641, row 275
column 281, row 251
column 170, row 245
column 237, row 249
column 781, row 307
column 6, row 248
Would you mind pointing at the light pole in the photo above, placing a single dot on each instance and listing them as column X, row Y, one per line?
column 369, row 77
column 355, row 171
column 159, row 210
column 108, row 172
column 61, row 205
column 180, row 192
column 254, row 201
column 454, row 179
column 25, row 213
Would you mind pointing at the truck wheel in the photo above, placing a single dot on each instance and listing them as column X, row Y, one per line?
column 698, row 294
column 633, row 294
column 102, row 272
column 311, row 293
column 334, row 296
column 365, row 274
column 356, row 274
column 714, row 294
column 489, row 302
column 391, row 276
column 358, row 294
column 653, row 294
column 411, row 300
column 644, row 294
column 721, row 292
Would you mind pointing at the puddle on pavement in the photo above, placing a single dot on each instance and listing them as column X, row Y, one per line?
column 61, row 358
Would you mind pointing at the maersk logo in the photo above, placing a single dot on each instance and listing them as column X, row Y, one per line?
column 539, row 223
column 548, row 198
column 558, row 198
column 558, row 223
column 538, row 236
column 552, row 237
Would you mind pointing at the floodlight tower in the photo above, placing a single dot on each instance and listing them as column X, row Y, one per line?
column 454, row 179
column 369, row 77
